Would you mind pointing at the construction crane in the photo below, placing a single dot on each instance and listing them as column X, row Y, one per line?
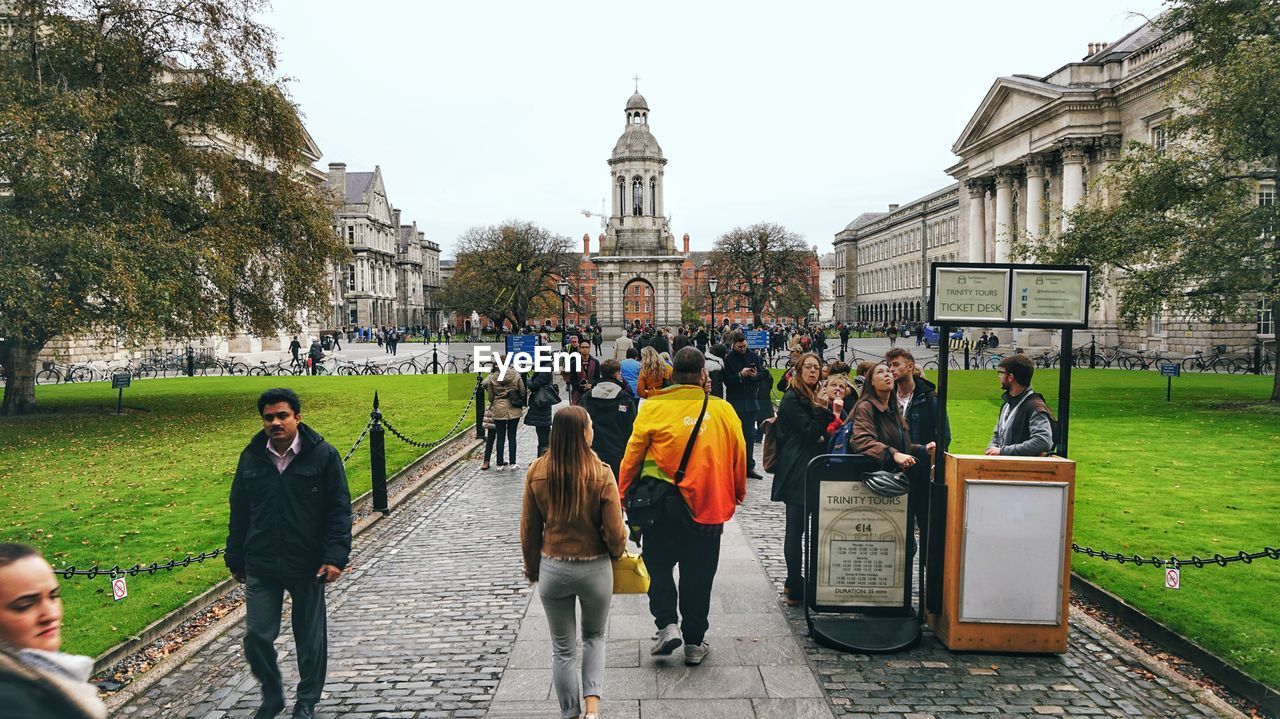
column 604, row 219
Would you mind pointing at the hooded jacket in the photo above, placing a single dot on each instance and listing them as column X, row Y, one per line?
column 26, row 691
column 287, row 524
column 613, row 414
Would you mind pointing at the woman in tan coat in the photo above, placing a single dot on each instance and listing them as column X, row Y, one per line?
column 570, row 527
column 502, row 390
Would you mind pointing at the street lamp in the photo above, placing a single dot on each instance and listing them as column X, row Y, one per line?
column 562, row 288
column 712, row 284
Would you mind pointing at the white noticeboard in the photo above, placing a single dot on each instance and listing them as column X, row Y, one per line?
column 971, row 294
column 1011, row 562
column 1058, row 296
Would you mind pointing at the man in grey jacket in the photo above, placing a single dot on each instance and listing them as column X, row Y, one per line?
column 1023, row 428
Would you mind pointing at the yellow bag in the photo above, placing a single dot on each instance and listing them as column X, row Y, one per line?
column 630, row 575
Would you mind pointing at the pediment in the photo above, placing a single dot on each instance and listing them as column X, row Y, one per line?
column 1009, row 100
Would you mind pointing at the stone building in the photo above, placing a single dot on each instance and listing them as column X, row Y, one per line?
column 366, row 220
column 409, row 261
column 432, row 279
column 827, row 267
column 888, row 254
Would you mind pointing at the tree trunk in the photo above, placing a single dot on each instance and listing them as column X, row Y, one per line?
column 19, row 361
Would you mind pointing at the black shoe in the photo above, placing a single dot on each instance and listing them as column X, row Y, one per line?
column 754, row 474
column 304, row 711
column 269, row 708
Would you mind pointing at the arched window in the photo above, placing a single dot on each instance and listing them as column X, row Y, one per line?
column 637, row 196
column 653, row 196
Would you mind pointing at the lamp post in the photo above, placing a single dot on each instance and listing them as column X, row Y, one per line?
column 562, row 288
column 712, row 285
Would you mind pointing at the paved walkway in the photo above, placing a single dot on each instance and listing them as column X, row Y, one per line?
column 435, row 620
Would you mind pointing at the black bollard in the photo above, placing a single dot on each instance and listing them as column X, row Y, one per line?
column 966, row 353
column 191, row 362
column 1093, row 352
column 378, row 459
column 435, row 362
column 1257, row 356
column 479, row 407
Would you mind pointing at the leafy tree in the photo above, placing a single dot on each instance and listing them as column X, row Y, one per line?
column 1187, row 233
column 509, row 272
column 142, row 199
column 761, row 263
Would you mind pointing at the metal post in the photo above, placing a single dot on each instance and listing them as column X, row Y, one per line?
column 712, row 336
column 965, row 344
column 1168, row 389
column 564, row 339
column 378, row 459
column 932, row 553
column 191, row 362
column 435, row 362
column 1093, row 352
column 479, row 407
column 120, row 401
column 1064, row 393
column 1257, row 355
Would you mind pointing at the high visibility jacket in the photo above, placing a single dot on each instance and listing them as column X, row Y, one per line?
column 715, row 480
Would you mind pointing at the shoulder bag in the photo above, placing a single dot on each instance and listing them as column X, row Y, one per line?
column 630, row 576
column 652, row 500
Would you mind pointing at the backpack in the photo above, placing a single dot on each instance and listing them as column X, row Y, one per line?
column 1054, row 426
column 839, row 442
column 770, row 444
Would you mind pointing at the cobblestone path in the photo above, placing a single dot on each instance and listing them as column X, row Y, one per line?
column 434, row 616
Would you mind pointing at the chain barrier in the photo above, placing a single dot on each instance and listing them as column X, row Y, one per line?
column 1174, row 563
column 434, row 443
column 364, row 433
column 135, row 570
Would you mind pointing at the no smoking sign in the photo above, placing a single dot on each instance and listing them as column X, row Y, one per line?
column 119, row 590
column 1173, row 579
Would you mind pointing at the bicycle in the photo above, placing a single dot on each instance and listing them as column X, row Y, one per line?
column 1217, row 362
column 1140, row 361
column 1047, row 359
column 351, row 369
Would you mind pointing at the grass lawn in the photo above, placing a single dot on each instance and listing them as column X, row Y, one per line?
column 89, row 487
column 1197, row 475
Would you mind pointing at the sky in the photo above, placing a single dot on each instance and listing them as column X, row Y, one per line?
column 805, row 114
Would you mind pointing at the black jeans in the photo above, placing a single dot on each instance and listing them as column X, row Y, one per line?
column 748, row 418
column 793, row 550
column 504, row 431
column 544, row 438
column 264, row 599
column 698, row 556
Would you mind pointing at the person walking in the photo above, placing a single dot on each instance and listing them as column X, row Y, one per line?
column 294, row 348
column 540, row 417
column 1023, row 428
column 713, row 485
column 315, row 355
column 503, row 388
column 622, row 346
column 631, row 371
column 337, row 340
column 844, row 339
column 289, row 531
column 36, row 679
column 743, row 370
column 654, row 373
column 570, row 529
column 613, row 413
column 597, row 339
column 804, row 416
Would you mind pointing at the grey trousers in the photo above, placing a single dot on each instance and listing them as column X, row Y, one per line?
column 561, row 585
column 264, row 600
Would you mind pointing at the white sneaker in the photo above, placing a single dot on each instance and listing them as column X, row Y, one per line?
column 513, row 467
column 667, row 640
column 695, row 653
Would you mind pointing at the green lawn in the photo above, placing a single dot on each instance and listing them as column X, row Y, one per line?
column 87, row 486
column 1197, row 475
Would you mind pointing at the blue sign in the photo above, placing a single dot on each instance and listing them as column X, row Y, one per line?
column 757, row 339
column 522, row 345
column 1170, row 369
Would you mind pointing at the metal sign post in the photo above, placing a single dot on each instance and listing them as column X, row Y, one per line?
column 119, row 382
column 859, row 549
column 1170, row 370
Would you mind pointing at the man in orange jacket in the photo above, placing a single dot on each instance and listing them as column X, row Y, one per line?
column 714, row 484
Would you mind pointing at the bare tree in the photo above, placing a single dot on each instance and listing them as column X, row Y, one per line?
column 761, row 263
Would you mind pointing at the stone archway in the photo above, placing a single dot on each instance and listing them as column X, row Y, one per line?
column 638, row 302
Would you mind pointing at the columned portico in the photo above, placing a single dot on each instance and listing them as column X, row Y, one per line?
column 1036, row 170
column 1074, row 156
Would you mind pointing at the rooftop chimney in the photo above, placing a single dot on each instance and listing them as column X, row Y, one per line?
column 395, row 217
column 686, row 243
column 586, row 243
column 338, row 178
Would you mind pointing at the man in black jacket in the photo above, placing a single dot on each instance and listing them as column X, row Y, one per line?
column 743, row 371
column 917, row 397
column 613, row 413
column 290, row 530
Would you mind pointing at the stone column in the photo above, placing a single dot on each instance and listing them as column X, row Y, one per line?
column 1004, row 214
column 977, row 219
column 1035, row 195
column 1073, row 158
column 1106, row 151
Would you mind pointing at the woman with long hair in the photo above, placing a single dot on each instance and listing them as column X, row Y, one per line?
column 570, row 527
column 654, row 373
column 37, row 680
column 801, row 429
column 503, row 388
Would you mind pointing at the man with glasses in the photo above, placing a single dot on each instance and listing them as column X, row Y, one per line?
column 1024, row 427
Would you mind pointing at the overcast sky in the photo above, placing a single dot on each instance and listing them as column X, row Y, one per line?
column 800, row 113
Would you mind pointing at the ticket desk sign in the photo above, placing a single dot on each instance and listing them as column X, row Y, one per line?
column 1006, row 568
column 858, row 560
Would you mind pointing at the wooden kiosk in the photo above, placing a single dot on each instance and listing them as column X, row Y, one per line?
column 1006, row 567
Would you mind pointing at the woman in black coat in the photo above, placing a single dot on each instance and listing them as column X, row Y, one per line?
column 539, row 417
column 801, row 430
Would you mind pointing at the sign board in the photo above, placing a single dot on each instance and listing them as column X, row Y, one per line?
column 120, row 381
column 964, row 295
column 1173, row 578
column 1009, row 295
column 119, row 588
column 522, row 345
column 862, row 547
column 757, row 339
column 1170, row 369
